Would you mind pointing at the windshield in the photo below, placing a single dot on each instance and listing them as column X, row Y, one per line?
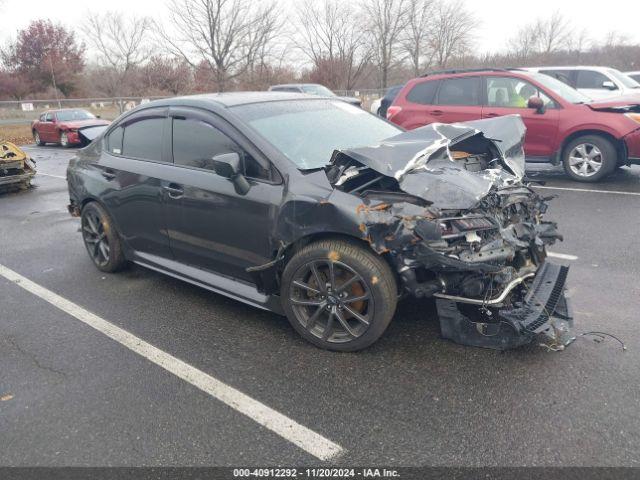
column 318, row 90
column 623, row 79
column 563, row 90
column 69, row 115
column 307, row 132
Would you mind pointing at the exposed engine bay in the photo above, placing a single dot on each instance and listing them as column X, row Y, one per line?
column 460, row 226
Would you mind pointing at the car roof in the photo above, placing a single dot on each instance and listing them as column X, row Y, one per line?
column 296, row 85
column 573, row 67
column 471, row 72
column 231, row 99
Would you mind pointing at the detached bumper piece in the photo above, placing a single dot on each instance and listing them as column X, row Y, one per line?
column 544, row 313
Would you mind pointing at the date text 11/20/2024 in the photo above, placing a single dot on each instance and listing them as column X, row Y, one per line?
column 315, row 473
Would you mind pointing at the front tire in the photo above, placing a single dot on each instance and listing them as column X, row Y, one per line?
column 589, row 158
column 101, row 239
column 339, row 295
column 64, row 140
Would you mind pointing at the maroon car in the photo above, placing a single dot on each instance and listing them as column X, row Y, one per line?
column 61, row 126
column 590, row 139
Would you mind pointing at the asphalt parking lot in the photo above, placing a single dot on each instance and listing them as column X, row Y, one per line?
column 71, row 395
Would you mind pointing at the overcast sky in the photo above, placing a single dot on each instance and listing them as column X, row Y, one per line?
column 498, row 19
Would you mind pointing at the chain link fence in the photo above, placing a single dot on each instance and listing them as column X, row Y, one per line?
column 25, row 111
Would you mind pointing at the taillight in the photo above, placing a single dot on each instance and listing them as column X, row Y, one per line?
column 392, row 111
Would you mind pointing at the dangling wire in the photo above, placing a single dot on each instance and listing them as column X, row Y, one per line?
column 601, row 335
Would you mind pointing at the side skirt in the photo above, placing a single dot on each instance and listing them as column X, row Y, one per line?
column 229, row 287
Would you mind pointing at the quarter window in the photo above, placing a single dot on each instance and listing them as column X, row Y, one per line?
column 459, row 91
column 143, row 139
column 591, row 79
column 195, row 143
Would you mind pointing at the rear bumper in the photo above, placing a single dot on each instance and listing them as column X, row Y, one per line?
column 545, row 313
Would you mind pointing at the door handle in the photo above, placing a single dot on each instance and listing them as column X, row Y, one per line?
column 174, row 190
column 436, row 113
column 108, row 174
column 491, row 115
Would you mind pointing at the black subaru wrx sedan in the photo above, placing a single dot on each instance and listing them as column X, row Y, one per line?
column 313, row 208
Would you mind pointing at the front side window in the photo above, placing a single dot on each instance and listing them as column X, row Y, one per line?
column 513, row 93
column 143, row 139
column 114, row 141
column 459, row 91
column 48, row 117
column 591, row 79
column 195, row 143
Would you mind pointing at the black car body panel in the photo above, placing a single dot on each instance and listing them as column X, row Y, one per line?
column 444, row 205
column 388, row 99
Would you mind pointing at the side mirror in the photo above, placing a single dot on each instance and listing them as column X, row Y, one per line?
column 609, row 85
column 227, row 165
column 98, row 116
column 536, row 103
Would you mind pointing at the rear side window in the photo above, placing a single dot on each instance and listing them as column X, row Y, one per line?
column 143, row 139
column 195, row 143
column 459, row 91
column 423, row 93
column 591, row 79
column 563, row 75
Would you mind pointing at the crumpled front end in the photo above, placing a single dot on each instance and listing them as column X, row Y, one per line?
column 461, row 227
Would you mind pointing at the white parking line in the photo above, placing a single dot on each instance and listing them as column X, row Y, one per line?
column 308, row 440
column 49, row 175
column 563, row 256
column 568, row 189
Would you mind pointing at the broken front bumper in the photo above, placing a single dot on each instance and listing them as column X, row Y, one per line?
column 545, row 312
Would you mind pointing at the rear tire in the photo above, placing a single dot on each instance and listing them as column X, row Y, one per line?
column 589, row 158
column 339, row 295
column 36, row 138
column 101, row 239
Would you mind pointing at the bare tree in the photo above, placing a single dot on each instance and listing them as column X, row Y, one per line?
column 452, row 30
column 387, row 20
column 554, row 34
column 525, row 44
column 122, row 43
column 229, row 36
column 416, row 40
column 331, row 36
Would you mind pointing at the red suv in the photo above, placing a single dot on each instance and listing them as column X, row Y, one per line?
column 590, row 139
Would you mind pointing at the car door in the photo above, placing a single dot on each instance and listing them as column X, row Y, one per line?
column 594, row 84
column 134, row 166
column 509, row 96
column 457, row 100
column 210, row 225
column 47, row 128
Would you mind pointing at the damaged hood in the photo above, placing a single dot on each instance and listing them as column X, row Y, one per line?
column 421, row 160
